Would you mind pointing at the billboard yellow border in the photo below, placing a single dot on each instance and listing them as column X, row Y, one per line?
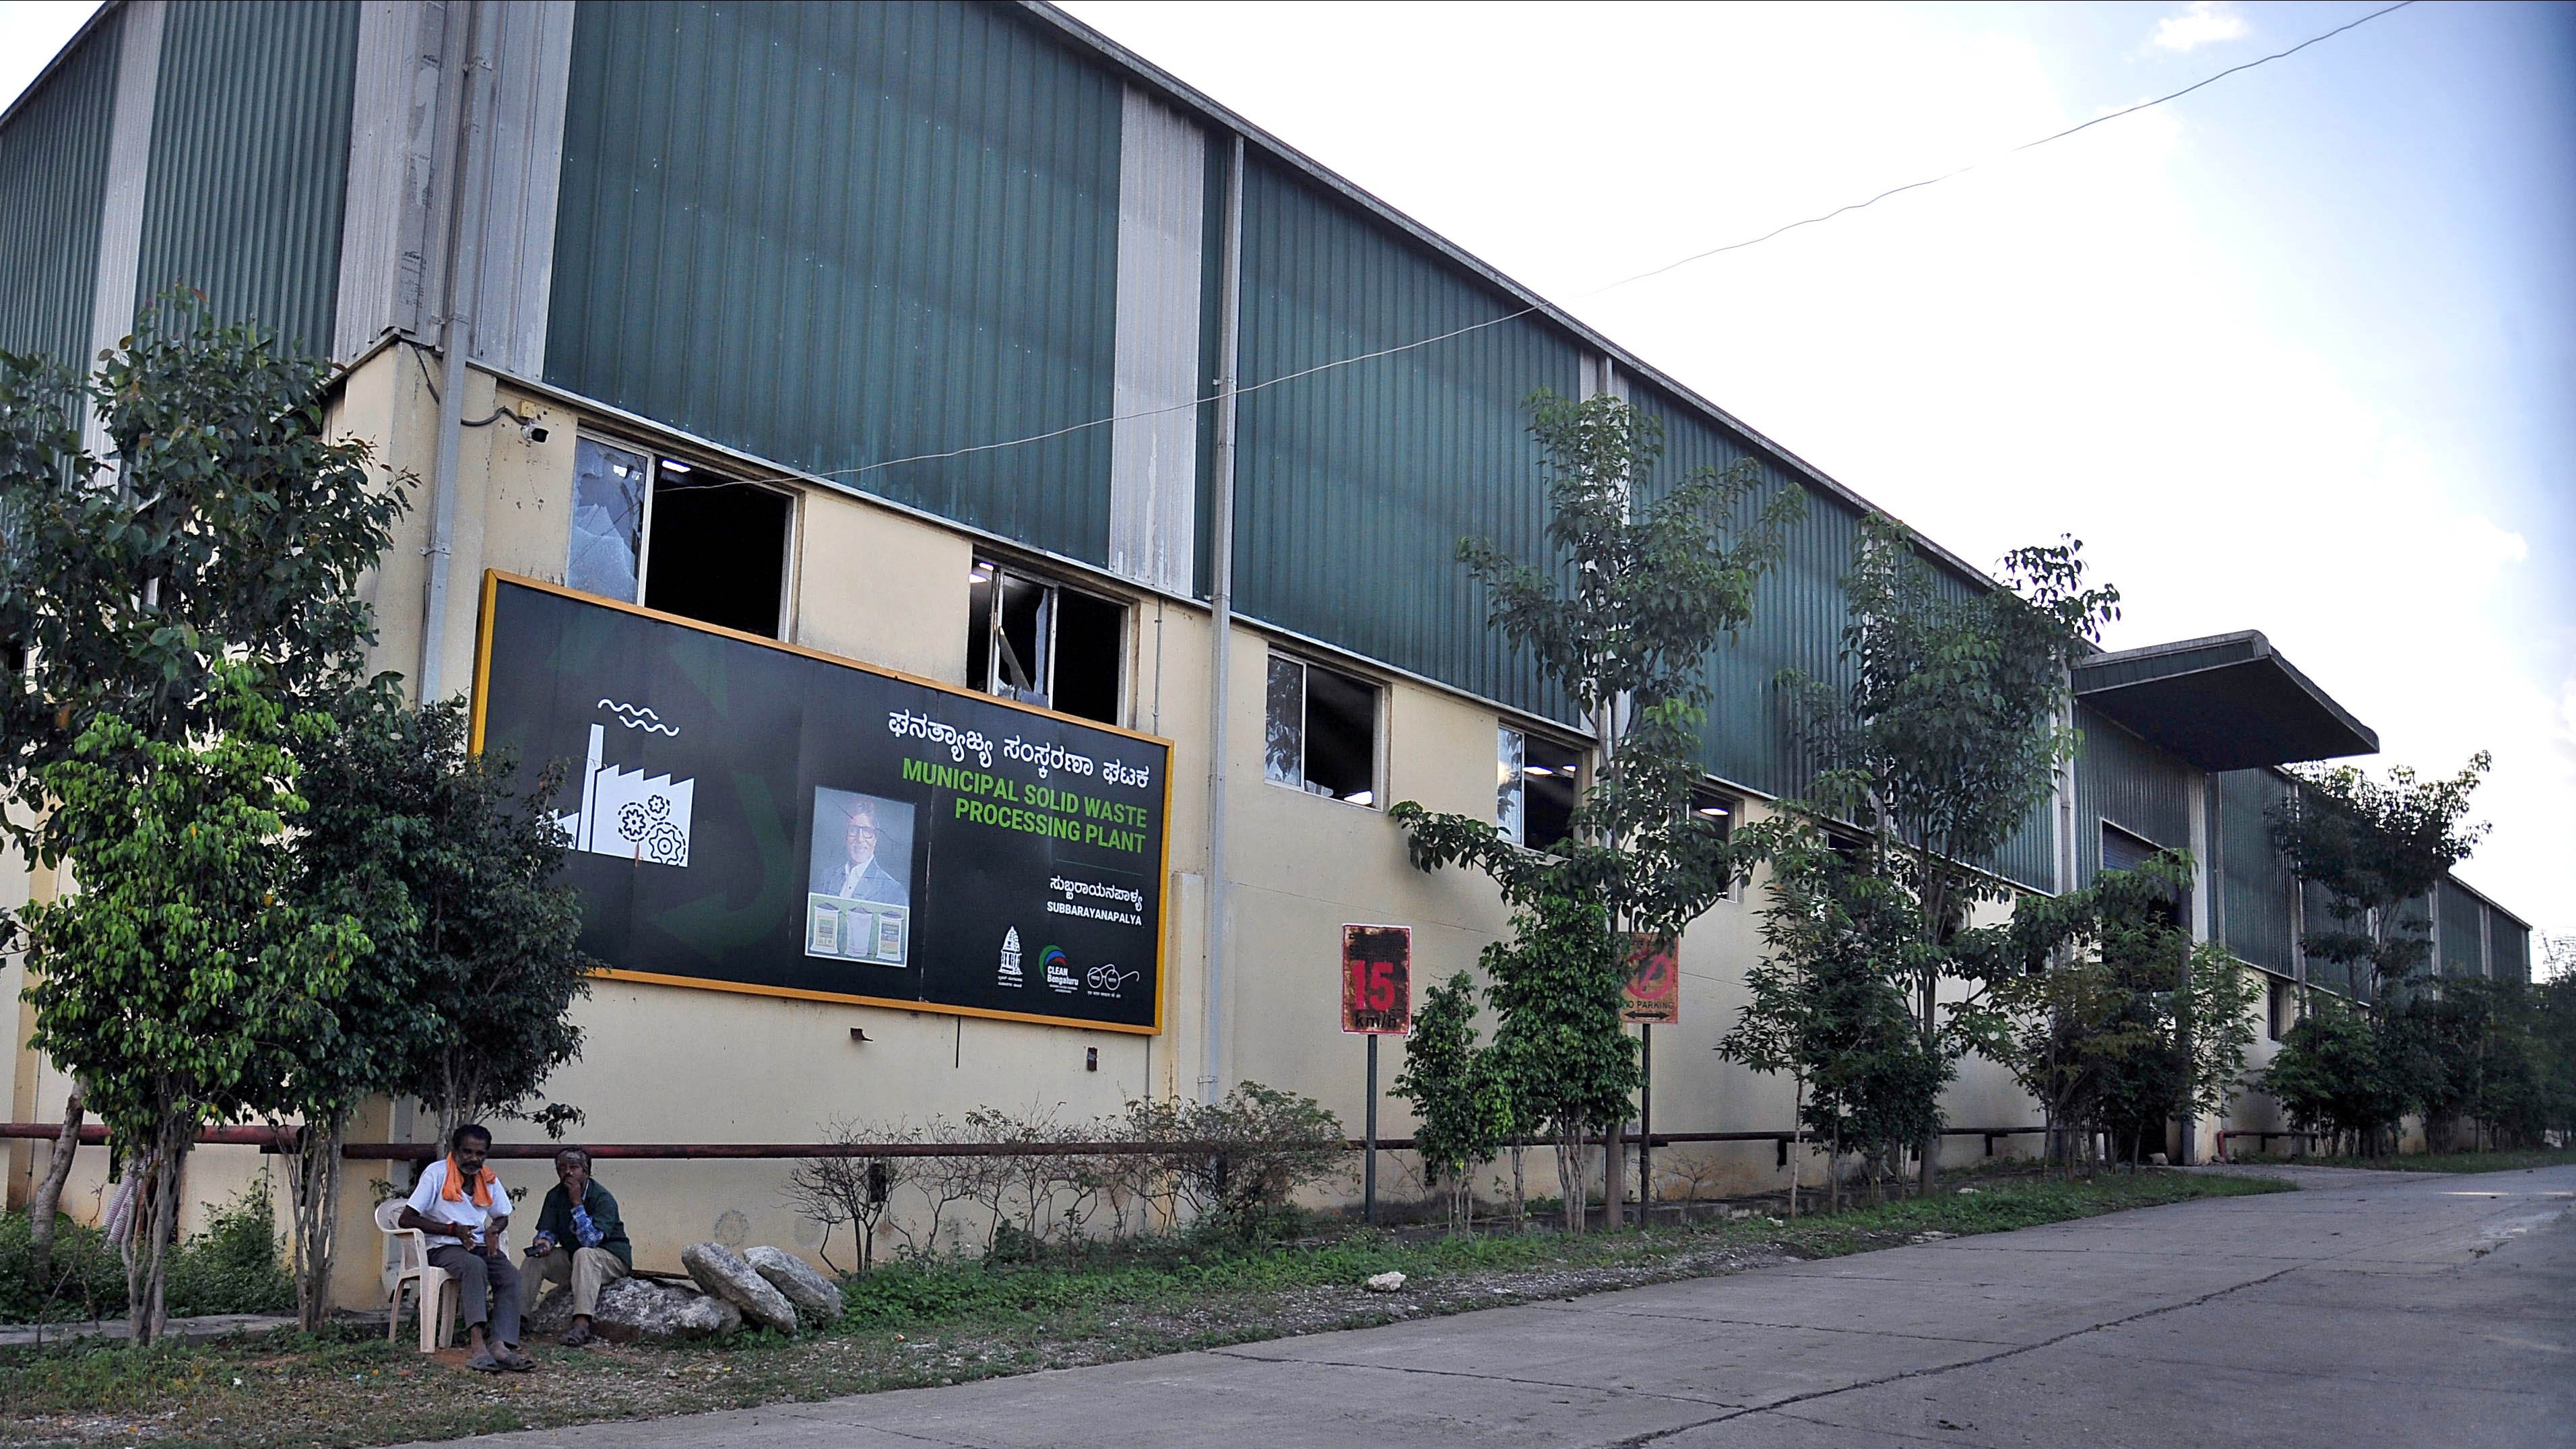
column 494, row 578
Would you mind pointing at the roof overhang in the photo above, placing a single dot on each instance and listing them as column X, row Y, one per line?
column 2227, row 702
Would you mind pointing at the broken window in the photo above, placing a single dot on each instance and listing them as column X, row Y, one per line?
column 1321, row 734
column 608, row 490
column 1039, row 642
column 668, row 535
column 1536, row 784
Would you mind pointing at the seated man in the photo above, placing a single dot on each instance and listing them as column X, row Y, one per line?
column 580, row 1240
column 459, row 1198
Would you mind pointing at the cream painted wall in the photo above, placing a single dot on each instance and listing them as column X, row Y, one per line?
column 877, row 584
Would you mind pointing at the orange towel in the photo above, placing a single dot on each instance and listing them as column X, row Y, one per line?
column 453, row 1190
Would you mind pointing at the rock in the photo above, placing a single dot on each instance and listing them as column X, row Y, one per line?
column 2157, row 1159
column 1385, row 1283
column 633, row 1309
column 722, row 1272
column 1738, row 1214
column 817, row 1301
column 551, row 1314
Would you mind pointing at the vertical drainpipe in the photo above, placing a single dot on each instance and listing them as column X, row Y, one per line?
column 1212, row 1026
column 456, row 340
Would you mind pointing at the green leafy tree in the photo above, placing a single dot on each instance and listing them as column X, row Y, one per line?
column 2110, row 1016
column 1943, row 737
column 2373, row 846
column 225, row 530
column 2376, row 847
column 1827, row 1005
column 1639, row 585
column 491, row 952
column 464, row 994
column 1462, row 1108
column 2334, row 1074
column 216, row 550
column 169, row 979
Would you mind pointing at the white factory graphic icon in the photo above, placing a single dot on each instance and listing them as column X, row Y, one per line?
column 627, row 813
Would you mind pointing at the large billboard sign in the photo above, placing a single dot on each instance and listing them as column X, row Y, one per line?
column 750, row 816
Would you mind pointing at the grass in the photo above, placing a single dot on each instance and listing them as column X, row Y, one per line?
column 913, row 1326
column 2444, row 1161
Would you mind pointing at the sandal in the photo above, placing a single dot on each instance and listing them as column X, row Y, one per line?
column 576, row 1336
column 484, row 1363
column 516, row 1362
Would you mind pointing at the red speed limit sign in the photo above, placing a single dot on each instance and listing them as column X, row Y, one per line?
column 1377, row 980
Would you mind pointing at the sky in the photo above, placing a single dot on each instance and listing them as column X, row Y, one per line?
column 2296, row 352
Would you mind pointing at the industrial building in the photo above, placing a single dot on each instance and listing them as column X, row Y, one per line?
column 724, row 312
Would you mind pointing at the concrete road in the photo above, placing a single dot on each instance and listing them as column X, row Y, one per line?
column 2367, row 1309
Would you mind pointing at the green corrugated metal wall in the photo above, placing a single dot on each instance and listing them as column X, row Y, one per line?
column 2463, row 933
column 53, row 170
column 2130, row 783
column 250, row 160
column 840, row 234
column 2316, row 917
column 2256, row 888
column 1355, row 485
column 1798, row 609
column 2510, row 947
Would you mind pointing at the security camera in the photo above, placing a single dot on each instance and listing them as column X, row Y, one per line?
column 533, row 432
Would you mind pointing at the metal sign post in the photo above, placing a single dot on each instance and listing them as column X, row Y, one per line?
column 1653, row 994
column 1645, row 1125
column 1377, row 1000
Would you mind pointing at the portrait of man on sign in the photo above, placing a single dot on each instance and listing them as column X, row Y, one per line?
column 862, row 848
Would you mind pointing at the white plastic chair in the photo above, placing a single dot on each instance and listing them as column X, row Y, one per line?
column 438, row 1292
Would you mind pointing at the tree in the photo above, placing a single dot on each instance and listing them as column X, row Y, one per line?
column 491, row 952
column 167, row 980
column 1827, row 1005
column 452, row 876
column 2333, row 1074
column 216, row 551
column 1944, row 737
column 1462, row 1108
column 2373, row 846
column 1639, row 586
column 228, row 531
column 2109, row 1015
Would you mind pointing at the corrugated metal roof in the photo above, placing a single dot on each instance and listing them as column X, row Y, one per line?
column 250, row 160
column 837, row 235
column 53, row 170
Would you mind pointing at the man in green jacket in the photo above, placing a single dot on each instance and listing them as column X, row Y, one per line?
column 580, row 1240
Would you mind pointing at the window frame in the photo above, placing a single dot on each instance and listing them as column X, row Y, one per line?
column 1709, row 787
column 1378, row 706
column 1580, row 772
column 657, row 461
column 993, row 567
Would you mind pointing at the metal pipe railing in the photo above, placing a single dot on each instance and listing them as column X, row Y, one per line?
column 285, row 1139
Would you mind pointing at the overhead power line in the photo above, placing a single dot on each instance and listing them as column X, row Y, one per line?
column 1514, row 316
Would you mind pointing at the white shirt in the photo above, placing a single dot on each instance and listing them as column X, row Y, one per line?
column 425, row 1200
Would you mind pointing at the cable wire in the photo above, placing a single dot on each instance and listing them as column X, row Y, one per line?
column 1513, row 316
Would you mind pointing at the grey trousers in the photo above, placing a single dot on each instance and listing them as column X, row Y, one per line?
column 489, row 1288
